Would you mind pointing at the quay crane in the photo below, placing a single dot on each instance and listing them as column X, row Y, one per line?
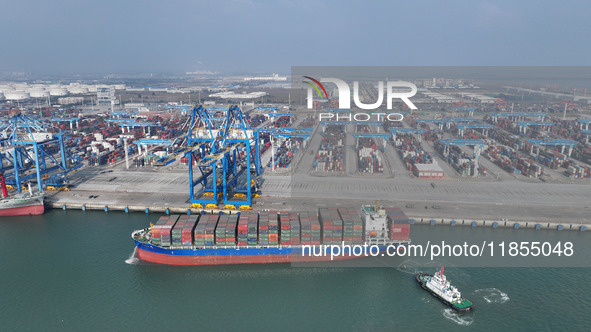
column 32, row 151
column 227, row 156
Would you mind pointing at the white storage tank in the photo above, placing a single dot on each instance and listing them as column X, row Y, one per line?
column 39, row 93
column 77, row 89
column 58, row 91
column 21, row 86
column 6, row 88
column 16, row 95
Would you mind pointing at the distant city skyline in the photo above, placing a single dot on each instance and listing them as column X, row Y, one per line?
column 264, row 37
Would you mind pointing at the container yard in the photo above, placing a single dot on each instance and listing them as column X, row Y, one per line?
column 288, row 138
column 512, row 161
column 411, row 151
column 330, row 154
column 284, row 154
column 463, row 163
column 370, row 159
column 370, row 148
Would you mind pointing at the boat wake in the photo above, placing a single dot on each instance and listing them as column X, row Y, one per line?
column 460, row 319
column 133, row 260
column 493, row 295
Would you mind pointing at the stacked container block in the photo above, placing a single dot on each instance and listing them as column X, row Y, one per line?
column 268, row 228
column 273, row 228
column 225, row 232
column 352, row 226
column 399, row 224
column 369, row 158
column 310, row 228
column 162, row 231
column 332, row 225
column 411, row 151
column 330, row 154
column 182, row 232
column 294, row 221
column 204, row 232
column 285, row 235
column 290, row 228
column 247, row 229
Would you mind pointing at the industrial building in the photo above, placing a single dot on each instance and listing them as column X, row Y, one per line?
column 428, row 171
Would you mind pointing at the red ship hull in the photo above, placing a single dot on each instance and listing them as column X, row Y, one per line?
column 158, row 258
column 33, row 210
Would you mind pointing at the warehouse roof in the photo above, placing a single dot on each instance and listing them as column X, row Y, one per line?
column 428, row 168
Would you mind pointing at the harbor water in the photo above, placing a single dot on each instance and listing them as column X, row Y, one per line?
column 75, row 271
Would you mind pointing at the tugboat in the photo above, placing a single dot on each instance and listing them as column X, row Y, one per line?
column 441, row 288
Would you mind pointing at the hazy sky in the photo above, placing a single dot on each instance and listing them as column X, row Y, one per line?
column 124, row 36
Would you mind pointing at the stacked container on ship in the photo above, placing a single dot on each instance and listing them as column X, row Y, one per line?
column 268, row 236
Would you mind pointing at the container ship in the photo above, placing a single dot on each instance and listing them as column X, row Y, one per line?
column 263, row 237
column 21, row 204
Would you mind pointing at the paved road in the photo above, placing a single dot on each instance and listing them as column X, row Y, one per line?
column 400, row 189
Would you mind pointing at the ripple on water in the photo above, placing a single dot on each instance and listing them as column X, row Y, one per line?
column 458, row 318
column 493, row 295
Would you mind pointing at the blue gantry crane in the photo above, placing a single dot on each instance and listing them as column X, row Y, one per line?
column 563, row 143
column 517, row 115
column 395, row 131
column 383, row 136
column 463, row 127
column 283, row 133
column 478, row 144
column 227, row 157
column 31, row 152
column 470, row 110
column 584, row 122
column 524, row 124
